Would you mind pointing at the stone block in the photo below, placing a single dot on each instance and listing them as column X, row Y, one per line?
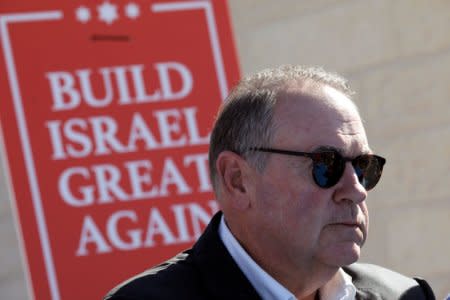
column 253, row 13
column 417, row 169
column 418, row 239
column 13, row 289
column 345, row 37
column 375, row 249
column 412, row 241
column 348, row 36
column 12, row 276
column 406, row 98
column 419, row 26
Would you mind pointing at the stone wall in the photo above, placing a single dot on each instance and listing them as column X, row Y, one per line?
column 397, row 56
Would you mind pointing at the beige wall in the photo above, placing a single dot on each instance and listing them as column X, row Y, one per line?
column 397, row 56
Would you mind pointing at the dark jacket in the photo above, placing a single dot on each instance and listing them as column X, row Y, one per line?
column 207, row 271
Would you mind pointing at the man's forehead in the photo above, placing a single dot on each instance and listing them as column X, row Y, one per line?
column 315, row 100
column 301, row 89
column 316, row 117
column 314, row 92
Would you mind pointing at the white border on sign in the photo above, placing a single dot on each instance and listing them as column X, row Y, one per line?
column 212, row 30
column 24, row 138
column 5, row 19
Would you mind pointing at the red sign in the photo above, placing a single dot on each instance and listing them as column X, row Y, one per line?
column 106, row 111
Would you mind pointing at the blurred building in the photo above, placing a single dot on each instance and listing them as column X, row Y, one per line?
column 397, row 57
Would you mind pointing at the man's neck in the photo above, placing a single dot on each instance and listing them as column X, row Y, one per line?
column 302, row 280
column 313, row 296
column 305, row 285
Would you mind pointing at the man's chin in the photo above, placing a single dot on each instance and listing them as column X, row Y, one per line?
column 344, row 256
column 351, row 255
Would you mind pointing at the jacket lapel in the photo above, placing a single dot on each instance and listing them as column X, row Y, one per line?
column 367, row 295
column 362, row 291
column 223, row 278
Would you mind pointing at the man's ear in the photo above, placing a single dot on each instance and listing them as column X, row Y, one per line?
column 233, row 173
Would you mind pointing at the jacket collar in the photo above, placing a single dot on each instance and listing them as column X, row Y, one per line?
column 220, row 273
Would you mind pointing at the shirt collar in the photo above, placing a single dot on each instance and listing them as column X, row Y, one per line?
column 340, row 287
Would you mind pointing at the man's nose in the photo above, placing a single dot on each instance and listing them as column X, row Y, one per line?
column 349, row 187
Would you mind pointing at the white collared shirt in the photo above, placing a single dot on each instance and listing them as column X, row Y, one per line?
column 339, row 288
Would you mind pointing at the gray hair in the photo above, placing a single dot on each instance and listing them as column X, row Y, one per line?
column 245, row 119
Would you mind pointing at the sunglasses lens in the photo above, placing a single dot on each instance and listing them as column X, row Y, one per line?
column 368, row 168
column 327, row 168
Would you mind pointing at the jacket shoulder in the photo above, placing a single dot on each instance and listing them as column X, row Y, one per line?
column 387, row 283
column 169, row 280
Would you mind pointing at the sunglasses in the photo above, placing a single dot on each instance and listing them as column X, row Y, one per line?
column 329, row 166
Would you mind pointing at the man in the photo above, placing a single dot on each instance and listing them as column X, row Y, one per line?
column 291, row 168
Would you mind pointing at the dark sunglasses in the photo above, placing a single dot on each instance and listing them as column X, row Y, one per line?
column 329, row 165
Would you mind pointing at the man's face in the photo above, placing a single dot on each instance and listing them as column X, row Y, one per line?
column 298, row 220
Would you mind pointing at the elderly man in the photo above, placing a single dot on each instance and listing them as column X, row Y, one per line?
column 291, row 168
